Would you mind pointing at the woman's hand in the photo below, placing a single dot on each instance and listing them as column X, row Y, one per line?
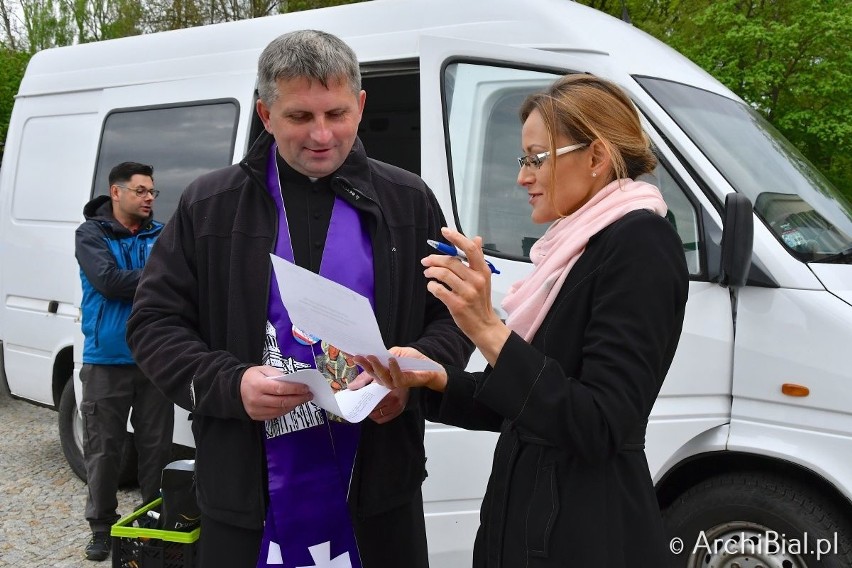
column 393, row 377
column 466, row 291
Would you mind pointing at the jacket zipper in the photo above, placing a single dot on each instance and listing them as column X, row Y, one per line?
column 125, row 252
column 98, row 325
column 258, row 432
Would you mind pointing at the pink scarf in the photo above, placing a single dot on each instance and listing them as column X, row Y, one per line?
column 553, row 255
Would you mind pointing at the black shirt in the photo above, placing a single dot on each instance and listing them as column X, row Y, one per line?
column 308, row 205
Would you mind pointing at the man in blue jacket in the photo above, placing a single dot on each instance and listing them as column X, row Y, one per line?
column 112, row 246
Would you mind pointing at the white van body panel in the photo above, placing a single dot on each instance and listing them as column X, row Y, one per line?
column 794, row 275
column 801, row 337
column 709, row 440
column 39, row 268
column 818, row 450
column 836, row 279
column 806, row 343
column 695, row 397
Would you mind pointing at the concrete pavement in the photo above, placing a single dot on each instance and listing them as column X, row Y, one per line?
column 41, row 500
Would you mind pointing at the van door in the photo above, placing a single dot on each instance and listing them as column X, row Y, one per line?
column 51, row 137
column 470, row 95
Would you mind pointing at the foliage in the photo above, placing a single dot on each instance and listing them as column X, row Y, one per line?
column 46, row 25
column 28, row 26
column 34, row 25
column 12, row 66
column 177, row 14
column 790, row 59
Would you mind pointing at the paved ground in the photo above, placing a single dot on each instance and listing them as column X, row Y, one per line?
column 41, row 500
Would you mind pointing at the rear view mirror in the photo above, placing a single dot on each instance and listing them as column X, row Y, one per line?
column 737, row 240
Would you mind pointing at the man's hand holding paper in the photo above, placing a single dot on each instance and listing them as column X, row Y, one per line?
column 264, row 400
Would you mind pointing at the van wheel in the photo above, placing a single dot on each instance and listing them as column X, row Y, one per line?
column 71, row 439
column 755, row 519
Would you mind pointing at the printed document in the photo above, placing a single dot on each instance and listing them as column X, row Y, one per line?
column 337, row 315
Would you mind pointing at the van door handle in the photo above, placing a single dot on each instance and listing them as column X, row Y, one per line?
column 52, row 307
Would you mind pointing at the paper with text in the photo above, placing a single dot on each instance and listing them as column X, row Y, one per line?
column 336, row 314
column 352, row 405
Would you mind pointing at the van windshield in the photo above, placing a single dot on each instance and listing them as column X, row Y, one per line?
column 799, row 205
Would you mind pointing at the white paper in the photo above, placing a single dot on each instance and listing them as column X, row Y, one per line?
column 352, row 405
column 339, row 316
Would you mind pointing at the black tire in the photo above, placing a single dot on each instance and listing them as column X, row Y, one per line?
column 756, row 519
column 71, row 439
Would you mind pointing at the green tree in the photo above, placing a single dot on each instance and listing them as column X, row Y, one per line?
column 45, row 24
column 176, row 14
column 28, row 26
column 12, row 66
column 8, row 20
column 299, row 5
column 96, row 20
column 790, row 59
column 179, row 14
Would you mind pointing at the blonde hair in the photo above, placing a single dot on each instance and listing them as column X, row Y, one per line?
column 585, row 108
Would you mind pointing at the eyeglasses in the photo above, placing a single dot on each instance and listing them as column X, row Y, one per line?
column 141, row 191
column 536, row 160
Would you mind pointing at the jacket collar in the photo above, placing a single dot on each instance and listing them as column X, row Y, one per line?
column 99, row 209
column 352, row 180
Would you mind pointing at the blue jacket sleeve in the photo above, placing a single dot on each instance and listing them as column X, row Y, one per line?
column 99, row 265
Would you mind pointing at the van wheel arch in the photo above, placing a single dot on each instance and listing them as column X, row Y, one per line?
column 71, row 439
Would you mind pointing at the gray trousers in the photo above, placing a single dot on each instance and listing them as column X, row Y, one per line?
column 109, row 392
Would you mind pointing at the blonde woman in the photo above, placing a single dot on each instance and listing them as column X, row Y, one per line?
column 591, row 332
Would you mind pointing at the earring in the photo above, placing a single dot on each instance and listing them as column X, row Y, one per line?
column 594, row 174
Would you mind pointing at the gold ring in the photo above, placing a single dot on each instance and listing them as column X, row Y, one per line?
column 381, row 412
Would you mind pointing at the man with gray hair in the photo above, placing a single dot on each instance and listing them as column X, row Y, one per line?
column 279, row 481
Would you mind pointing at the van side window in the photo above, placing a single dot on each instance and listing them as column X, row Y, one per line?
column 181, row 142
column 681, row 215
column 485, row 141
column 482, row 104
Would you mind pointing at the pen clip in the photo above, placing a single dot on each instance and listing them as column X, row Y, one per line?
column 491, row 267
column 454, row 251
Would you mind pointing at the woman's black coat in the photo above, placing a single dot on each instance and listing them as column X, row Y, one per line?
column 570, row 485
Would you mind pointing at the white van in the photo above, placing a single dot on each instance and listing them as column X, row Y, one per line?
column 750, row 442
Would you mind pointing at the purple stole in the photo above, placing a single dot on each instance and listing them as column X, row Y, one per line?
column 310, row 454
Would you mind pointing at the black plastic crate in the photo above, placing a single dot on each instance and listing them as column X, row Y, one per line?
column 135, row 547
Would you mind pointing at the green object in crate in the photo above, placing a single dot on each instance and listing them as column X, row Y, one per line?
column 136, row 547
column 122, row 527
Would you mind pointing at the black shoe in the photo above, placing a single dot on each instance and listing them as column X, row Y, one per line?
column 98, row 547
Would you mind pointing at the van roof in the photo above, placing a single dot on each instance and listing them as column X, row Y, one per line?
column 378, row 30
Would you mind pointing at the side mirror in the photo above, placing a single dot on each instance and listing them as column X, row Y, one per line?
column 737, row 240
